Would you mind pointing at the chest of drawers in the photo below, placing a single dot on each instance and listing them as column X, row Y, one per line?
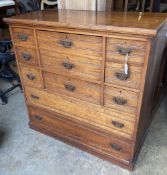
column 90, row 79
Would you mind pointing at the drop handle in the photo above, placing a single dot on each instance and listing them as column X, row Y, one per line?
column 119, row 100
column 31, row 77
column 117, row 124
column 66, row 43
column 26, row 56
column 68, row 65
column 22, row 37
column 38, row 117
column 121, row 76
column 69, row 87
column 124, row 51
column 115, row 147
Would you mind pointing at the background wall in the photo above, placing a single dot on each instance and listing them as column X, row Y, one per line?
column 81, row 4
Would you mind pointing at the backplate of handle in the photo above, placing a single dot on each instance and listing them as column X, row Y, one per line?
column 115, row 147
column 117, row 124
column 121, row 76
column 69, row 87
column 26, row 56
column 22, row 37
column 119, row 100
column 30, row 77
column 37, row 117
column 124, row 51
column 66, row 43
column 68, row 65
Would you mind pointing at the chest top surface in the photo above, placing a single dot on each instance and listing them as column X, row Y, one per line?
column 131, row 22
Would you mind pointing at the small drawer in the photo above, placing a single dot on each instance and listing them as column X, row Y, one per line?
column 82, row 45
column 27, row 56
column 23, row 37
column 73, row 66
column 117, row 49
column 127, row 43
column 72, row 87
column 114, row 74
column 120, row 99
column 95, row 115
column 68, row 129
column 30, row 76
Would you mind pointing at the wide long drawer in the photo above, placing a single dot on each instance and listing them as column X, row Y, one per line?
column 72, row 87
column 90, row 46
column 77, row 133
column 96, row 115
column 70, row 65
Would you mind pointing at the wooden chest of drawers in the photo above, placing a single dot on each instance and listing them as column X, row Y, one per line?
column 90, row 79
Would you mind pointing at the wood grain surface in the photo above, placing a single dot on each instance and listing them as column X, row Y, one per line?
column 71, row 65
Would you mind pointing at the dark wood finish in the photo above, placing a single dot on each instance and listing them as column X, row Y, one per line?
column 74, row 79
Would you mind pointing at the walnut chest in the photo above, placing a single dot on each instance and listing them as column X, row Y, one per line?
column 90, row 79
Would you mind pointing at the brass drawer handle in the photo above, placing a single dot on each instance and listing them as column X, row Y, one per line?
column 124, row 51
column 119, row 101
column 30, row 77
column 22, row 37
column 117, row 124
column 69, row 87
column 121, row 76
column 116, row 147
column 34, row 97
column 38, row 117
column 67, row 65
column 26, row 56
column 66, row 43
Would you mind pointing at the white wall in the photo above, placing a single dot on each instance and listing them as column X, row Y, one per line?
column 81, row 4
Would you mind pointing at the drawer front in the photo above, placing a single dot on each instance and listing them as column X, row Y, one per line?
column 120, row 99
column 23, row 37
column 118, row 48
column 132, row 59
column 72, row 87
column 30, row 76
column 96, row 141
column 89, row 46
column 127, row 43
column 27, row 56
column 74, row 66
column 114, row 74
column 92, row 114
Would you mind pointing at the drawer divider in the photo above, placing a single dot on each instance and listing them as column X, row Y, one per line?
column 39, row 61
column 103, row 71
